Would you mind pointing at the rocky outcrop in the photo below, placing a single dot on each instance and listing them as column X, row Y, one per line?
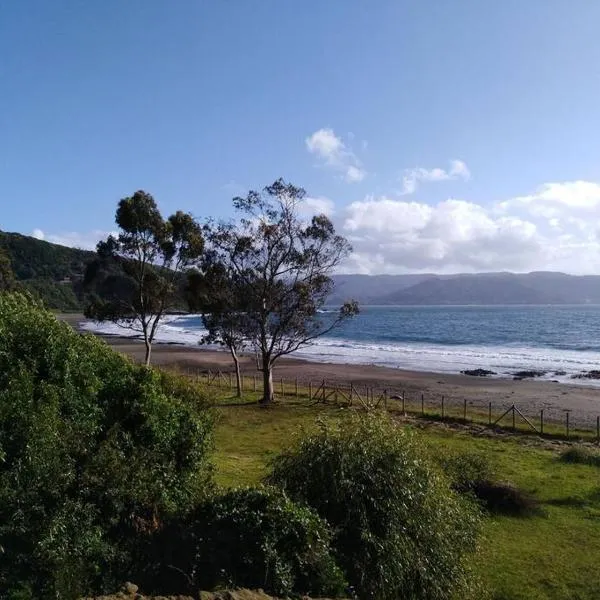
column 478, row 372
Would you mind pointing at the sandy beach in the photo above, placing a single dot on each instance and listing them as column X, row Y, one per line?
column 530, row 396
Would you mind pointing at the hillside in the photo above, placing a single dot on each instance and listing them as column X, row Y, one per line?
column 52, row 272
column 55, row 273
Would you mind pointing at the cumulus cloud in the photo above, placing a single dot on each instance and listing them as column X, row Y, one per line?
column 321, row 206
column 74, row 239
column 334, row 153
column 553, row 228
column 413, row 177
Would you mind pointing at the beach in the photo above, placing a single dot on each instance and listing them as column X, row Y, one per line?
column 529, row 395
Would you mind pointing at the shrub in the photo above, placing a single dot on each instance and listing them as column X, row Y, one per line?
column 473, row 474
column 94, row 453
column 581, row 455
column 399, row 530
column 254, row 538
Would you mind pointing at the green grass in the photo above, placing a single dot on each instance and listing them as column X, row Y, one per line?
column 554, row 556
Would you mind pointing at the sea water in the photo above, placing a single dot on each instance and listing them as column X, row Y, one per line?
column 559, row 340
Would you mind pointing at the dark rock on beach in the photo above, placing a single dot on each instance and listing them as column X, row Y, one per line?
column 594, row 374
column 528, row 374
column 478, row 372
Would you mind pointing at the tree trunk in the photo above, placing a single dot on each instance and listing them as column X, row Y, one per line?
column 238, row 375
column 267, row 370
column 148, row 345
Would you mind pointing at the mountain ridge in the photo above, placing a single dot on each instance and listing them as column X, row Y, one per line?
column 55, row 273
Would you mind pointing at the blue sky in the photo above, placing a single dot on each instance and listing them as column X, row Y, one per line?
column 444, row 135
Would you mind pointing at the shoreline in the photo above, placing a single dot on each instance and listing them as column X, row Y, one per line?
column 529, row 395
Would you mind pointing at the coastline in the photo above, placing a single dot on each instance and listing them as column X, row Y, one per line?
column 529, row 395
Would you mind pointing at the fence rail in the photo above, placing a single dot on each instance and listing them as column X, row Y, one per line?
column 490, row 414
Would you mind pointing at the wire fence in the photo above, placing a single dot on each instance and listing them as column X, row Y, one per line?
column 490, row 414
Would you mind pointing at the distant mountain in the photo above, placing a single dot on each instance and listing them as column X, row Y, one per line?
column 52, row 272
column 465, row 289
column 55, row 273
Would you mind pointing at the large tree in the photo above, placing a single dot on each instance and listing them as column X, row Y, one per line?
column 281, row 265
column 137, row 278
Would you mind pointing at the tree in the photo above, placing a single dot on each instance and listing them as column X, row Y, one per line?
column 7, row 278
column 281, row 268
column 399, row 530
column 219, row 296
column 95, row 453
column 136, row 276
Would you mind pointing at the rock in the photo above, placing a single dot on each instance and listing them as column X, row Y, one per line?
column 529, row 374
column 559, row 373
column 594, row 374
column 130, row 588
column 478, row 372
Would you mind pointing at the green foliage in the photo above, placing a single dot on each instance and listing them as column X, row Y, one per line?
column 472, row 473
column 136, row 276
column 467, row 469
column 254, row 537
column 94, row 453
column 281, row 269
column 581, row 455
column 7, row 277
column 400, row 532
column 50, row 272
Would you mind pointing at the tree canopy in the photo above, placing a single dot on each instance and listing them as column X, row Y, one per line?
column 279, row 268
column 136, row 275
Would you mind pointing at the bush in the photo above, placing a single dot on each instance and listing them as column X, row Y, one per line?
column 473, row 474
column 467, row 470
column 94, row 453
column 400, row 531
column 254, row 538
column 581, row 455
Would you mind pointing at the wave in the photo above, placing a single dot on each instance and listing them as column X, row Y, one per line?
column 418, row 356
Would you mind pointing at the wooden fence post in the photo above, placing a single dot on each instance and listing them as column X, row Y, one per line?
column 282, row 390
column 296, row 382
column 230, row 383
column 254, row 382
column 490, row 413
column 385, row 396
column 465, row 410
column 351, row 392
column 442, row 406
column 403, row 406
column 310, row 389
column 323, row 390
column 598, row 430
column 567, row 424
column 513, row 417
column 422, row 405
column 542, row 422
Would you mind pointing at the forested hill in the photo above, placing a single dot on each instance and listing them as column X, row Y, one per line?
column 53, row 272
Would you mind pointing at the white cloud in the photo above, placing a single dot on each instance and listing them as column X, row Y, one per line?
column 553, row 228
column 320, row 206
column 74, row 239
column 325, row 144
column 413, row 177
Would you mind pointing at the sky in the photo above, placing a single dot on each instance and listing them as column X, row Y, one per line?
column 439, row 136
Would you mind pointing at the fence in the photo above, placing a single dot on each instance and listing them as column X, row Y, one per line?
column 489, row 414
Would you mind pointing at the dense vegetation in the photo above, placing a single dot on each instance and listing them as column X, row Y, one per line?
column 94, row 453
column 105, row 476
column 50, row 272
column 400, row 532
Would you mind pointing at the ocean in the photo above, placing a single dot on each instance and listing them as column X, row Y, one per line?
column 560, row 340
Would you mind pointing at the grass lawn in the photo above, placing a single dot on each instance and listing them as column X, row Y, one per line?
column 553, row 556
